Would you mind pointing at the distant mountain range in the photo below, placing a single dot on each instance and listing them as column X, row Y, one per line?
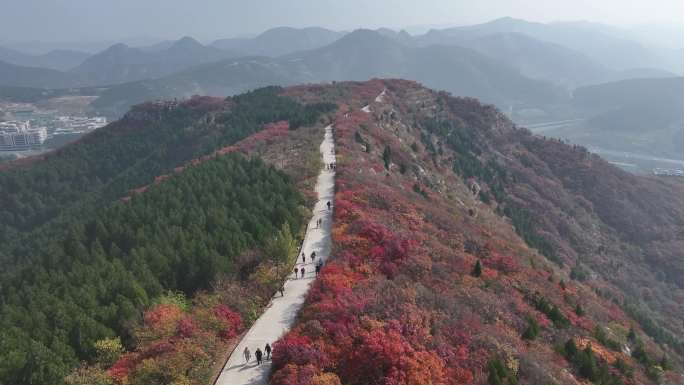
column 360, row 55
column 61, row 60
column 121, row 63
column 540, row 59
column 280, row 41
column 33, row 77
column 639, row 115
column 605, row 45
column 512, row 63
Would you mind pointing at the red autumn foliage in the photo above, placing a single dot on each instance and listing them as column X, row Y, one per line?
column 187, row 327
column 231, row 321
column 295, row 375
column 170, row 334
column 397, row 304
column 502, row 263
column 297, row 350
column 123, row 367
column 163, row 315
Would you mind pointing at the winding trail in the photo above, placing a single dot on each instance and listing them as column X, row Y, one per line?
column 282, row 311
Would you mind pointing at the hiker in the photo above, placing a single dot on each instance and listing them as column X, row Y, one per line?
column 247, row 354
column 328, row 205
column 296, row 270
column 303, row 258
column 258, row 355
column 318, row 269
column 313, row 256
column 302, row 270
column 268, row 351
column 282, row 289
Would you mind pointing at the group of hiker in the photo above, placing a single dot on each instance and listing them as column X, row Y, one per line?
column 302, row 270
column 258, row 354
column 331, row 166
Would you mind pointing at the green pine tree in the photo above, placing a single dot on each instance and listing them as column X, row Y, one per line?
column 477, row 270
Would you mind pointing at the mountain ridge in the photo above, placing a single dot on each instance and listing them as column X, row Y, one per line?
column 429, row 187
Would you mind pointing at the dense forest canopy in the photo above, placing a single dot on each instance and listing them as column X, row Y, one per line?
column 80, row 263
column 150, row 141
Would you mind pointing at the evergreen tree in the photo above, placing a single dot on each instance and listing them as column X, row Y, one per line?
column 387, row 157
column 532, row 330
column 477, row 270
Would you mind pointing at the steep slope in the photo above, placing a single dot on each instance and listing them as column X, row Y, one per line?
column 280, row 41
column 360, row 55
column 468, row 251
column 121, row 63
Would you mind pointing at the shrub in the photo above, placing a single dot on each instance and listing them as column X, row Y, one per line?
column 532, row 330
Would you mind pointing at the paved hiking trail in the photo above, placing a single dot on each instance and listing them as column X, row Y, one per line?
column 282, row 311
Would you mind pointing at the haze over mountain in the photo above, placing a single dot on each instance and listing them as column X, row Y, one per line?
column 19, row 76
column 121, row 63
column 57, row 59
column 595, row 41
column 360, row 55
column 280, row 41
column 644, row 116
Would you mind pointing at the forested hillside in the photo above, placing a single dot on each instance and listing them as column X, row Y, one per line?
column 466, row 249
column 469, row 251
column 151, row 140
column 94, row 234
column 176, row 236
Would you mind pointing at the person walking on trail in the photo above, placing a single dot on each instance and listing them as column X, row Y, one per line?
column 268, row 351
column 282, row 289
column 302, row 270
column 303, row 258
column 259, row 355
column 328, row 205
column 296, row 270
column 318, row 269
column 247, row 354
column 313, row 256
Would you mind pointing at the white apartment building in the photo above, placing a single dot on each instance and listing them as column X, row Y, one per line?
column 18, row 136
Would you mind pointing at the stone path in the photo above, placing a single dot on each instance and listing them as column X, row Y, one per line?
column 281, row 313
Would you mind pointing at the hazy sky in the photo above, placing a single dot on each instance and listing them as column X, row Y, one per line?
column 70, row 20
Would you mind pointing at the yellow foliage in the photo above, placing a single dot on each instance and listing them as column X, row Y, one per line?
column 108, row 351
column 326, row 379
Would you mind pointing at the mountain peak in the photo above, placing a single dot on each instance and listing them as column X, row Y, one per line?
column 186, row 42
